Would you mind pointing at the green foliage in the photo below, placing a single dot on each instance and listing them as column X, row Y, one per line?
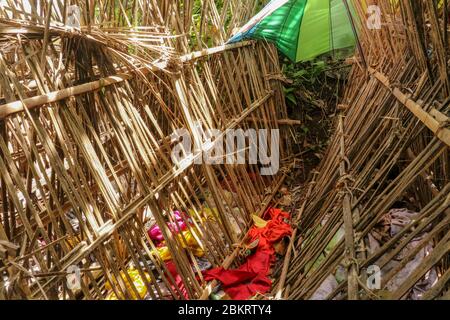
column 317, row 81
column 301, row 75
column 304, row 73
column 289, row 93
column 312, row 93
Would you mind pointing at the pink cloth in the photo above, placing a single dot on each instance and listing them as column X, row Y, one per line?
column 179, row 225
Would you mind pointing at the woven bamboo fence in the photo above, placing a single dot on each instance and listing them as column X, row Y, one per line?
column 86, row 117
column 389, row 155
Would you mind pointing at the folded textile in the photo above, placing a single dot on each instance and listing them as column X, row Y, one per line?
column 246, row 281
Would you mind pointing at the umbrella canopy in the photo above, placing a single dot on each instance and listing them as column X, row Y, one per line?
column 302, row 29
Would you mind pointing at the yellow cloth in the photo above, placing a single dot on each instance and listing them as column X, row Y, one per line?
column 164, row 253
column 192, row 244
column 208, row 212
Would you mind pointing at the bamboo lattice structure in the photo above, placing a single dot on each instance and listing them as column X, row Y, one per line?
column 86, row 117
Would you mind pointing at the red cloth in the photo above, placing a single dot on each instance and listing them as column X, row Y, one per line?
column 171, row 267
column 276, row 228
column 251, row 277
column 246, row 281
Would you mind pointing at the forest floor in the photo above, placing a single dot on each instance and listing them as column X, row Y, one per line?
column 313, row 91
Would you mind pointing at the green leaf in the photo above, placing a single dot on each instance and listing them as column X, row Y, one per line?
column 300, row 73
column 291, row 97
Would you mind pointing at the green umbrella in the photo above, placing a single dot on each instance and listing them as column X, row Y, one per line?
column 303, row 29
